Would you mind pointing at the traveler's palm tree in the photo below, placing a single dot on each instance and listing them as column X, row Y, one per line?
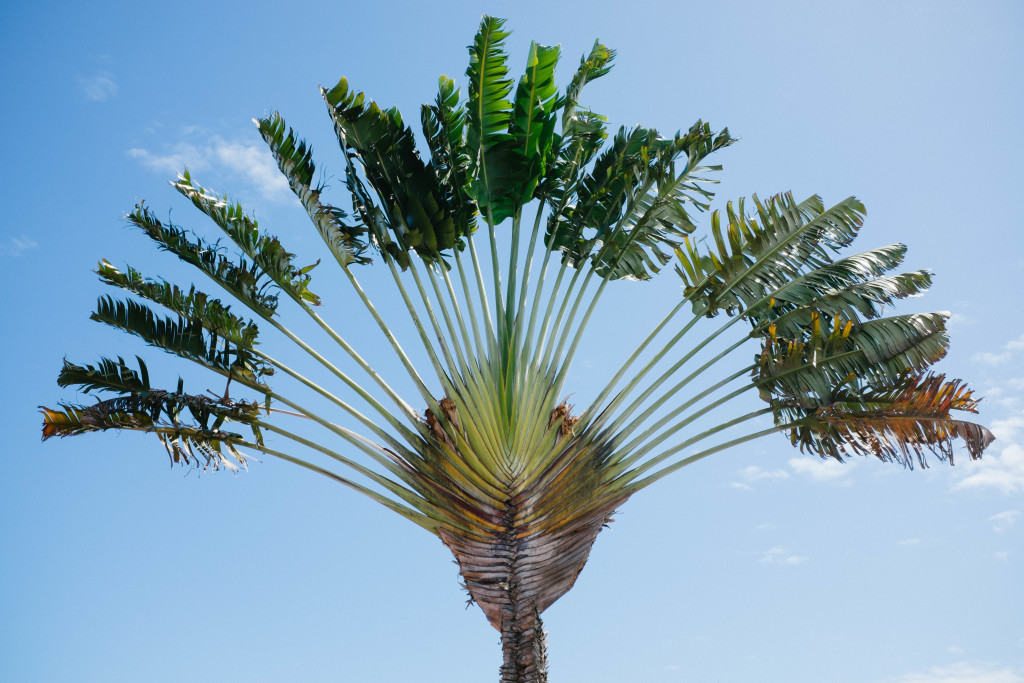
column 513, row 480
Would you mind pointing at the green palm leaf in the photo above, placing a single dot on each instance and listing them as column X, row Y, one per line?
column 295, row 160
column 444, row 126
column 488, row 116
column 194, row 305
column 245, row 281
column 265, row 251
column 185, row 338
column 409, row 191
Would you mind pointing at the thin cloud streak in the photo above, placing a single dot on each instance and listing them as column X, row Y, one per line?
column 17, row 246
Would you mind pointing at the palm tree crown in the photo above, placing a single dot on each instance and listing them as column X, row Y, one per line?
column 516, row 482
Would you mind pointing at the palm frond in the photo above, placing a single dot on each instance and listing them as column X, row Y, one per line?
column 194, row 305
column 899, row 422
column 189, row 426
column 753, row 257
column 409, row 191
column 185, row 338
column 265, row 251
column 488, row 116
column 295, row 160
column 532, row 124
column 582, row 135
column 833, row 354
column 106, row 375
column 444, row 126
column 244, row 280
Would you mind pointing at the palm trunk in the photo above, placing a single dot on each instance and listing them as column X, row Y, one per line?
column 523, row 643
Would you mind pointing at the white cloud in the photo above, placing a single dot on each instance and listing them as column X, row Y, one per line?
column 99, row 87
column 958, row 320
column 962, row 672
column 953, row 649
column 755, row 473
column 255, row 163
column 778, row 555
column 1009, row 429
column 909, row 541
column 1004, row 520
column 174, row 160
column 990, row 358
column 1001, row 555
column 16, row 246
column 818, row 469
column 1003, row 472
column 251, row 162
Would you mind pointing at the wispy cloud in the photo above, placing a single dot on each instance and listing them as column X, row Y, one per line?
column 1004, row 356
column 990, row 358
column 818, row 469
column 99, row 87
column 778, row 555
column 17, row 246
column 963, row 672
column 755, row 473
column 250, row 162
column 174, row 159
column 1004, row 520
column 256, row 164
column 957, row 320
column 909, row 541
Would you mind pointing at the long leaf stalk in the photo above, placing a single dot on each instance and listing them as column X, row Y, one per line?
column 520, row 321
column 482, row 349
column 363, row 419
column 416, row 499
column 359, row 441
column 487, row 320
column 394, row 487
column 417, row 518
column 456, row 337
column 640, row 451
column 387, row 415
column 417, row 479
column 513, row 272
column 361, row 362
column 625, row 414
column 421, row 387
column 499, row 303
column 424, row 337
column 473, row 351
column 453, row 367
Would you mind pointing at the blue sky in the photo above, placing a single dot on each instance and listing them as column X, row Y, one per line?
column 759, row 564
